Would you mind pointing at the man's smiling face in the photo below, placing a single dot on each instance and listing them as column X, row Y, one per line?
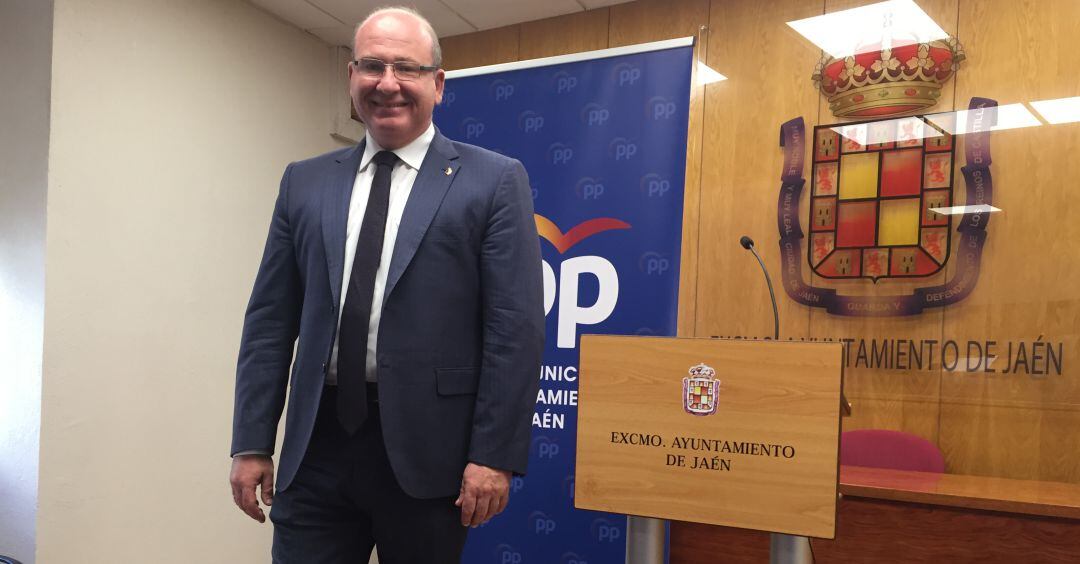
column 395, row 111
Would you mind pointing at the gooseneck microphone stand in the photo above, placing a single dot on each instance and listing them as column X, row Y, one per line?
column 748, row 244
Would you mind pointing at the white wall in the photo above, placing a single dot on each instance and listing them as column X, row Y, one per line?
column 171, row 124
column 25, row 58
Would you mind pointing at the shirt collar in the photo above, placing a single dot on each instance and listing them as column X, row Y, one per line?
column 412, row 154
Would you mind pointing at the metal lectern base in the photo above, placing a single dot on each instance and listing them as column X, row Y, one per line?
column 644, row 540
column 789, row 549
column 645, row 544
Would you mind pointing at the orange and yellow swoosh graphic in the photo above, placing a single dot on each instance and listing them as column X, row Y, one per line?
column 563, row 241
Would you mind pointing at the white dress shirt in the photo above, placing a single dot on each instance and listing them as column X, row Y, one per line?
column 401, row 185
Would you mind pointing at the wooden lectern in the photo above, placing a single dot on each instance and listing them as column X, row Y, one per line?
column 728, row 432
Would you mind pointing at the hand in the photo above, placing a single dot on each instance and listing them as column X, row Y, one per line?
column 249, row 471
column 484, row 494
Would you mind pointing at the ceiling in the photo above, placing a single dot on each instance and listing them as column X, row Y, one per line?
column 333, row 20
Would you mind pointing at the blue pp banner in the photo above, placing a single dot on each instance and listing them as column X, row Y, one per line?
column 604, row 142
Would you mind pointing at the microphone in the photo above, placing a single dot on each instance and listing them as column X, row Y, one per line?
column 748, row 244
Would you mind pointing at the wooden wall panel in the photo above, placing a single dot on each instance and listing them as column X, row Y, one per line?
column 768, row 72
column 1021, row 425
column 654, row 20
column 489, row 47
column 572, row 33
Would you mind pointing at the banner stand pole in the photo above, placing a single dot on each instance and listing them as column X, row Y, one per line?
column 789, row 549
column 644, row 540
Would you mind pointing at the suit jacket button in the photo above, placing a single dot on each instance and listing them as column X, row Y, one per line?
column 324, row 368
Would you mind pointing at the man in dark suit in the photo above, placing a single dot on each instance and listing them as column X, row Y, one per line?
column 406, row 271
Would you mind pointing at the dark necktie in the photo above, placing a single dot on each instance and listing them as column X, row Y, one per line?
column 356, row 314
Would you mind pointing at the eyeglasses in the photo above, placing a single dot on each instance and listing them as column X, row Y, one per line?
column 403, row 70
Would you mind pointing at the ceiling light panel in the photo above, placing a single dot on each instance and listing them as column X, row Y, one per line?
column 869, row 28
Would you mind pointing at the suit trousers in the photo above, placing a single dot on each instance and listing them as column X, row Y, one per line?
column 345, row 499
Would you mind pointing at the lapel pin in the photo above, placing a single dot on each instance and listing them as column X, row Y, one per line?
column 448, row 171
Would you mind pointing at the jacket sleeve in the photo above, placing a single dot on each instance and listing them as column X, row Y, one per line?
column 512, row 309
column 271, row 324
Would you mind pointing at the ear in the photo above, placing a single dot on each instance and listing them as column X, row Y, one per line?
column 440, row 81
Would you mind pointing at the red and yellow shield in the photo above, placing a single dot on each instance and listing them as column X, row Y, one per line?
column 873, row 189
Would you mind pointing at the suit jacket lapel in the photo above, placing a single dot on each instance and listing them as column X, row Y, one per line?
column 432, row 182
column 335, row 215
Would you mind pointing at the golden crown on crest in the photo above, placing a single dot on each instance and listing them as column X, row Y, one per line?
column 884, row 81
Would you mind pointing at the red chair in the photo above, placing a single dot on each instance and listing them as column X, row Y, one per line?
column 882, row 448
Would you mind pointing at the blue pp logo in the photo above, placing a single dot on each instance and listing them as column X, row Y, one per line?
column 594, row 114
column 589, row 188
column 659, row 108
column 564, row 82
column 505, row 554
column 626, row 74
column 541, row 523
column 517, row 483
column 560, row 154
column 572, row 558
column 501, row 90
column 530, row 121
column 654, row 264
column 448, row 98
column 545, row 448
column 605, row 531
column 472, row 128
column 622, row 149
column 654, row 186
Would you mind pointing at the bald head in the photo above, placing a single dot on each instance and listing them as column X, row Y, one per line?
column 405, row 17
